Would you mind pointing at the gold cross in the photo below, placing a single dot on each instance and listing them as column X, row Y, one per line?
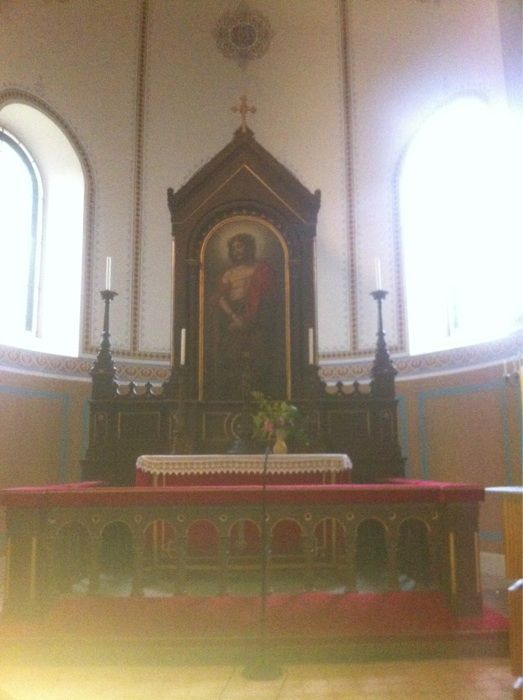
column 243, row 109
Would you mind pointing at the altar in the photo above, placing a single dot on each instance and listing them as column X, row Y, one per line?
column 57, row 537
column 225, row 470
column 181, row 459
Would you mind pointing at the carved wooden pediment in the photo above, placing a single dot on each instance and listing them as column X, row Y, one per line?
column 244, row 174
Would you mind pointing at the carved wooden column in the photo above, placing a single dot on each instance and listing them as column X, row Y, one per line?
column 464, row 582
column 139, row 540
column 392, row 540
column 308, row 550
column 95, row 547
column 434, row 556
column 223, row 556
column 21, row 564
column 181, row 539
column 349, row 558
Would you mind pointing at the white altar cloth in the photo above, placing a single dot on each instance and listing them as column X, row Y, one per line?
column 243, row 464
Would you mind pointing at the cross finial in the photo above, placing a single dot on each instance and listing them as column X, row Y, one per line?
column 243, row 109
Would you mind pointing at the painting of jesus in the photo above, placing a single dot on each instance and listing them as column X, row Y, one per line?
column 245, row 312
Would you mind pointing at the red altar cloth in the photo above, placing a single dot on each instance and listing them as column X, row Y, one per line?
column 331, row 494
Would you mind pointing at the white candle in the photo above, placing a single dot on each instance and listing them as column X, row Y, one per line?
column 377, row 271
column 505, row 372
column 311, row 346
column 108, row 273
column 182, row 347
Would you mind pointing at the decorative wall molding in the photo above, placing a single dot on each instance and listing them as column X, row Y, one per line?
column 352, row 290
column 137, row 207
column 457, row 360
column 355, row 349
column 443, row 362
column 137, row 233
column 243, row 34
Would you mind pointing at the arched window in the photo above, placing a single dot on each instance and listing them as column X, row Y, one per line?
column 20, row 233
column 41, row 232
column 461, row 224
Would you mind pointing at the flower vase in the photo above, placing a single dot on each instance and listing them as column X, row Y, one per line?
column 280, row 446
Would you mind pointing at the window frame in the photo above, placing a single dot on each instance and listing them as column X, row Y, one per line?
column 35, row 232
column 449, row 312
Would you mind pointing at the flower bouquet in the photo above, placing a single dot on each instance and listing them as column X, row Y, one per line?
column 274, row 421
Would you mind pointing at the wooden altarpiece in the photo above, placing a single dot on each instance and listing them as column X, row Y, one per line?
column 242, row 215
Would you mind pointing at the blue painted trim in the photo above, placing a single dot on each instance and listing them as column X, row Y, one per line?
column 65, row 413
column 490, row 536
column 497, row 385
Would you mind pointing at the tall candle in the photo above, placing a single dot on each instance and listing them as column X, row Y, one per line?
column 182, row 347
column 108, row 273
column 311, row 346
column 377, row 271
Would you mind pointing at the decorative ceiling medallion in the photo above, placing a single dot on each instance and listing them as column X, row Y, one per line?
column 243, row 34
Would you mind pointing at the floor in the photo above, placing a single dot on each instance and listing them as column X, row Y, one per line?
column 471, row 679
column 475, row 678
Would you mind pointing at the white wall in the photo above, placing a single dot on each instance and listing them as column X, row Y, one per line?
column 340, row 93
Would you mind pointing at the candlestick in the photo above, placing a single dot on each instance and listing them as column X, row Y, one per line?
column 311, row 346
column 103, row 370
column 108, row 273
column 182, row 347
column 377, row 271
column 383, row 371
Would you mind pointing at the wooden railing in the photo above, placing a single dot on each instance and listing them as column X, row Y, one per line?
column 424, row 533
